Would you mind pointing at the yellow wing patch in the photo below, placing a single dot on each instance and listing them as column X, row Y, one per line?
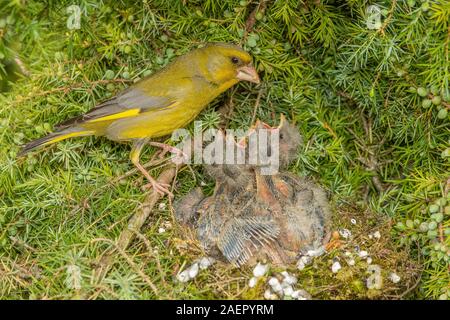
column 67, row 136
column 120, row 115
column 125, row 114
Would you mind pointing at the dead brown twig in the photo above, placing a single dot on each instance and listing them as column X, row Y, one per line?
column 255, row 108
column 372, row 151
column 226, row 110
column 251, row 20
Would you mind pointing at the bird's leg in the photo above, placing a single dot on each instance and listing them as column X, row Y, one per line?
column 134, row 155
column 179, row 154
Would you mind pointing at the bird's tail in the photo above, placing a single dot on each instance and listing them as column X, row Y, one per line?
column 53, row 138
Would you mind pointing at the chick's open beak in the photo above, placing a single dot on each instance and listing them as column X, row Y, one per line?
column 248, row 73
column 282, row 121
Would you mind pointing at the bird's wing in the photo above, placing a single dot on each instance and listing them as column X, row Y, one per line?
column 241, row 237
column 129, row 103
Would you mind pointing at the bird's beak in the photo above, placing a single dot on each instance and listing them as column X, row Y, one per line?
column 282, row 121
column 248, row 73
column 266, row 126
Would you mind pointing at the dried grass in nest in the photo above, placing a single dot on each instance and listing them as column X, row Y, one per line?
column 226, row 281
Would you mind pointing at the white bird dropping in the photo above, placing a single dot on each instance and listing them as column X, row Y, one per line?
column 336, row 267
column 267, row 294
column 273, row 281
column 316, row 253
column 183, row 276
column 275, row 285
column 288, row 291
column 260, row 270
column 252, row 282
column 162, row 206
column 301, row 295
column 345, row 233
column 289, row 279
column 363, row 254
column 395, row 278
column 205, row 262
column 193, row 271
column 303, row 262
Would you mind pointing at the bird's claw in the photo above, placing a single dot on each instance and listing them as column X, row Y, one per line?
column 179, row 155
column 161, row 188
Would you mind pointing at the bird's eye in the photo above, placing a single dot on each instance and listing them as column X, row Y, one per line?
column 234, row 60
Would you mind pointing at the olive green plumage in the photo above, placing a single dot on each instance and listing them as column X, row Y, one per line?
column 161, row 103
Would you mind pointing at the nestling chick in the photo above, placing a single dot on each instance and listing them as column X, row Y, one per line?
column 252, row 216
column 239, row 175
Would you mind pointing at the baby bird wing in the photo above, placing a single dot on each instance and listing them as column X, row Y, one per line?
column 241, row 237
column 129, row 103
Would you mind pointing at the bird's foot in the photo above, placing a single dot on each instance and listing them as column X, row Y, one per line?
column 161, row 188
column 179, row 157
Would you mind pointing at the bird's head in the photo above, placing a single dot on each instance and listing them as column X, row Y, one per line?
column 289, row 139
column 224, row 64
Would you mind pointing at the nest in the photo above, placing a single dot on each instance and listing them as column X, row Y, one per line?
column 279, row 219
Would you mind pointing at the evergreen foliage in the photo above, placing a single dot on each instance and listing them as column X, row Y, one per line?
column 370, row 98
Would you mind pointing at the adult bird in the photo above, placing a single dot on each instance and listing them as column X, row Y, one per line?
column 161, row 103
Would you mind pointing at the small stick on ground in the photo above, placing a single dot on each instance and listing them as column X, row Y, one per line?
column 251, row 20
column 226, row 110
column 255, row 108
column 136, row 222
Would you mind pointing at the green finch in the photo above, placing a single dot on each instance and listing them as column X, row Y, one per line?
column 161, row 103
